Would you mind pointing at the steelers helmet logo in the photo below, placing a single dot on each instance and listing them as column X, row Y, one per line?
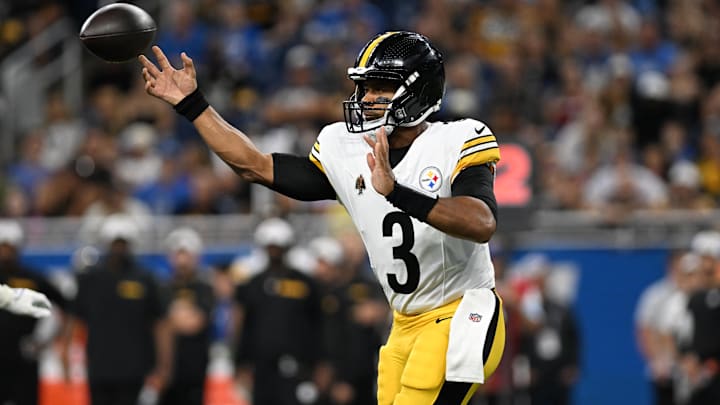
column 431, row 179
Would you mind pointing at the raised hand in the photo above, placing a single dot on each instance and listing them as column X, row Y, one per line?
column 383, row 179
column 165, row 82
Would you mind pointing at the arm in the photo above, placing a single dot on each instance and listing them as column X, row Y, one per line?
column 164, row 347
column 462, row 216
column 162, row 334
column 230, row 144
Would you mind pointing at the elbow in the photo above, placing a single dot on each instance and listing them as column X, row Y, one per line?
column 259, row 171
column 484, row 229
column 247, row 175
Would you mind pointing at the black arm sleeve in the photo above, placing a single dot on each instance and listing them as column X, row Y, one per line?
column 297, row 177
column 476, row 181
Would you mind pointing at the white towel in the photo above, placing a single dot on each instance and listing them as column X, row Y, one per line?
column 468, row 331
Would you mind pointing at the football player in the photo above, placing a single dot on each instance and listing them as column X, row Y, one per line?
column 425, row 221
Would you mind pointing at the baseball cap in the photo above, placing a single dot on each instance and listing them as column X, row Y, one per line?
column 275, row 232
column 11, row 233
column 119, row 226
column 186, row 239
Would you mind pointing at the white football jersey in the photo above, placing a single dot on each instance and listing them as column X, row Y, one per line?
column 418, row 266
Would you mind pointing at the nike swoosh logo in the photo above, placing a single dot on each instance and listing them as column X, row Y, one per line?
column 442, row 319
column 479, row 131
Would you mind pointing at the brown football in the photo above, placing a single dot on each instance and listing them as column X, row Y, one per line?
column 118, row 32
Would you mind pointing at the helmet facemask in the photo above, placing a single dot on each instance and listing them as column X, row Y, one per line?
column 363, row 116
column 395, row 109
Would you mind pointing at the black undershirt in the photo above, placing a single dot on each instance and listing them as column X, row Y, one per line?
column 297, row 177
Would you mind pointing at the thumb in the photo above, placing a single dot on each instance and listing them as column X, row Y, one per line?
column 188, row 64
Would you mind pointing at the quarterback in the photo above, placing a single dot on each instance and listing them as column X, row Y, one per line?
column 420, row 193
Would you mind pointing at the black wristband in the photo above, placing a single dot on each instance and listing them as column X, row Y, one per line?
column 192, row 105
column 414, row 203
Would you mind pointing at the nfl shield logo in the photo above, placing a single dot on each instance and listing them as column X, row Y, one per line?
column 431, row 179
column 475, row 317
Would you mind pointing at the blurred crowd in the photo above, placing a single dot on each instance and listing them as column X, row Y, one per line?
column 290, row 322
column 616, row 100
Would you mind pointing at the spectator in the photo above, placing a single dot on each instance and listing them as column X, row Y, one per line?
column 615, row 18
column 709, row 159
column 139, row 164
column 64, row 133
column 652, row 53
column 28, row 173
column 112, row 198
column 684, row 186
column 623, row 187
column 184, row 32
column 239, row 44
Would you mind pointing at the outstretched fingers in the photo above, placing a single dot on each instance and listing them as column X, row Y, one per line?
column 149, row 80
column 161, row 58
column 149, row 66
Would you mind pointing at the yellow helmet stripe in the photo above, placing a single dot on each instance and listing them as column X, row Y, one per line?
column 371, row 47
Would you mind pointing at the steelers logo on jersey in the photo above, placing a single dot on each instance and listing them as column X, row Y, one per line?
column 431, row 179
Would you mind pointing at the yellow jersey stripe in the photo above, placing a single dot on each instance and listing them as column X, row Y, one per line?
column 316, row 162
column 478, row 140
column 371, row 48
column 477, row 148
column 476, row 158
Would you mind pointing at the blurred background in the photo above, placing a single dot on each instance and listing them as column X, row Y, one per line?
column 608, row 117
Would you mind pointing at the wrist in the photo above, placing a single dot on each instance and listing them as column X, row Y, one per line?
column 192, row 105
column 412, row 202
column 392, row 188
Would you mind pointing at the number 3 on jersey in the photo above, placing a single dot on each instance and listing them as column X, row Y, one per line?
column 402, row 252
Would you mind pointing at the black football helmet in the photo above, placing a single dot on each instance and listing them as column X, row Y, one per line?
column 407, row 58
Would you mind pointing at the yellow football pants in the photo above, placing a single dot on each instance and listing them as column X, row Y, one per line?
column 411, row 366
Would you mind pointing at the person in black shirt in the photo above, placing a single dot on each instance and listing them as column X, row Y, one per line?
column 279, row 321
column 129, row 344
column 355, row 316
column 702, row 363
column 189, row 312
column 18, row 347
column 552, row 344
